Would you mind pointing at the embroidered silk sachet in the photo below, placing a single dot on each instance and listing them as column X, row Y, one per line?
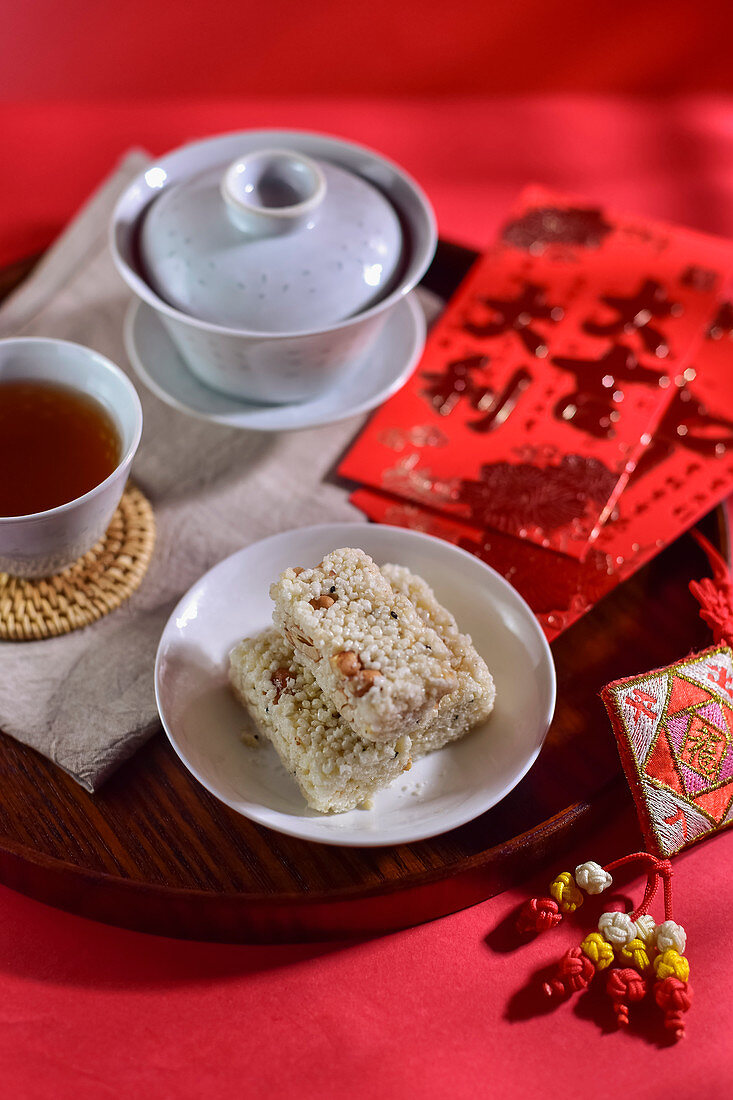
column 674, row 729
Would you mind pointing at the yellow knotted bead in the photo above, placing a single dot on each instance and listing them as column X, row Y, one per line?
column 598, row 950
column 566, row 893
column 635, row 954
column 670, row 964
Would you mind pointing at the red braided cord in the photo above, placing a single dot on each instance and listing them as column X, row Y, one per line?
column 668, row 895
column 715, row 595
column 660, row 868
column 630, row 859
column 652, row 885
column 718, row 564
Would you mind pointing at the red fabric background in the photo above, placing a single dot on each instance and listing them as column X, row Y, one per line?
column 138, row 49
column 91, row 1011
column 670, row 159
column 439, row 1011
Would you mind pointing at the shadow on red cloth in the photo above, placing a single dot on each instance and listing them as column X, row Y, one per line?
column 87, row 954
column 646, row 1021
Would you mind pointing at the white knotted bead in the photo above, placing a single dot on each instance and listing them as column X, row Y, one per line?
column 670, row 934
column 646, row 929
column 592, row 878
column 617, row 928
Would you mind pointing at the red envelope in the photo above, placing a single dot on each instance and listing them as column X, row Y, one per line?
column 547, row 376
column 558, row 588
column 688, row 466
column 682, row 475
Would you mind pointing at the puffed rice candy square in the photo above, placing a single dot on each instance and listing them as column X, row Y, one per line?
column 335, row 769
column 472, row 701
column 383, row 667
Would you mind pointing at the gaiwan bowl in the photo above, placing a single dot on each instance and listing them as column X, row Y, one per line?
column 270, row 362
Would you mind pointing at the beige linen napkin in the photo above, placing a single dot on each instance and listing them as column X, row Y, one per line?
column 86, row 700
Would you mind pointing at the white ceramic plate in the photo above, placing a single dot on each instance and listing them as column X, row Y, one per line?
column 385, row 370
column 441, row 791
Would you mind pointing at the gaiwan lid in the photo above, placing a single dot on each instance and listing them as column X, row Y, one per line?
column 275, row 242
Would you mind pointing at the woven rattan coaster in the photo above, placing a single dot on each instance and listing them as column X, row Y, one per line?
column 90, row 588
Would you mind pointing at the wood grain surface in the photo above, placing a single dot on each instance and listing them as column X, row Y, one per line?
column 154, row 851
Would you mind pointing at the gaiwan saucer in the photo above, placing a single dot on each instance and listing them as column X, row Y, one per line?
column 381, row 373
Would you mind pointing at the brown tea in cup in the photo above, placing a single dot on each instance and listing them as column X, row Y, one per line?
column 55, row 445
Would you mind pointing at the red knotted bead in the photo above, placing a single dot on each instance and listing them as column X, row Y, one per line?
column 575, row 971
column 538, row 915
column 622, row 986
column 674, row 997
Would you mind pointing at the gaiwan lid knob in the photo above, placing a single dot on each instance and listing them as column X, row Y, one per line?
column 275, row 242
column 273, row 191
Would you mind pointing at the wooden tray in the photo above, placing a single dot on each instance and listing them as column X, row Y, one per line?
column 154, row 851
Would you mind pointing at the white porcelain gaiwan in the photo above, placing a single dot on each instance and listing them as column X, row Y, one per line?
column 346, row 231
column 277, row 242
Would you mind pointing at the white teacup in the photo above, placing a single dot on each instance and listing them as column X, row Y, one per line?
column 42, row 543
